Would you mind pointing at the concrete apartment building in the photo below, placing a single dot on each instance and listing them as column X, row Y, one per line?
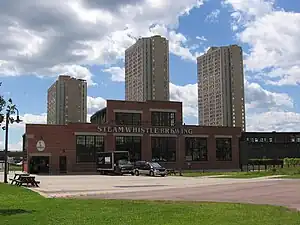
column 67, row 101
column 221, row 87
column 147, row 70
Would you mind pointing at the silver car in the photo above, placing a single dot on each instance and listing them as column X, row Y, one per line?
column 149, row 168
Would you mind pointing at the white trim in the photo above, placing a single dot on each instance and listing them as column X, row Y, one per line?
column 90, row 133
column 163, row 135
column 40, row 154
column 128, row 135
column 197, row 135
column 223, row 136
column 162, row 110
column 128, row 111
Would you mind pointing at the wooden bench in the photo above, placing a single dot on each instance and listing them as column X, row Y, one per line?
column 21, row 179
column 171, row 172
column 14, row 181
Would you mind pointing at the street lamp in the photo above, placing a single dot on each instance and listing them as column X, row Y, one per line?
column 11, row 109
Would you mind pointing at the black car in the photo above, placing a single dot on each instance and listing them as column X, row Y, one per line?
column 124, row 167
column 149, row 168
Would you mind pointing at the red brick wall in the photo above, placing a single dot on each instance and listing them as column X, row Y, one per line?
column 60, row 140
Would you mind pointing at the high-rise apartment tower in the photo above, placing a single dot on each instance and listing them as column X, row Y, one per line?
column 67, row 101
column 147, row 70
column 221, row 87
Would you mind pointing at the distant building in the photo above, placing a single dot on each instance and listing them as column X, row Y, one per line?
column 269, row 145
column 221, row 99
column 147, row 70
column 67, row 101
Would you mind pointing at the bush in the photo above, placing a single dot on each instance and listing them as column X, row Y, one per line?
column 291, row 162
column 265, row 162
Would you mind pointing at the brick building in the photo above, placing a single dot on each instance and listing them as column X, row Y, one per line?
column 151, row 130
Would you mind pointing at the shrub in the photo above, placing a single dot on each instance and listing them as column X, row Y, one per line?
column 291, row 162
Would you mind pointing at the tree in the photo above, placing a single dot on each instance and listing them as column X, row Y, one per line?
column 2, row 105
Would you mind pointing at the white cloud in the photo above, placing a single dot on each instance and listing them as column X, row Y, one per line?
column 213, row 16
column 265, row 110
column 201, row 38
column 12, row 146
column 188, row 95
column 273, row 45
column 259, row 99
column 273, row 121
column 95, row 104
column 69, row 37
column 117, row 73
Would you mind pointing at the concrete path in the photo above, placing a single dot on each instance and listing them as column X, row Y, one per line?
column 273, row 192
column 276, row 191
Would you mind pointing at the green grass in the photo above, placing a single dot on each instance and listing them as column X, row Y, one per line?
column 293, row 172
column 15, row 168
column 21, row 206
column 294, row 176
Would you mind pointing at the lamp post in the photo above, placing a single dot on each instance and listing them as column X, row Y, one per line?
column 8, row 119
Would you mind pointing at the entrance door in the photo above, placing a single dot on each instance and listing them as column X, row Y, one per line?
column 39, row 165
column 62, row 164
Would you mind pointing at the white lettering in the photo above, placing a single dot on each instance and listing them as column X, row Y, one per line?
column 154, row 130
column 128, row 129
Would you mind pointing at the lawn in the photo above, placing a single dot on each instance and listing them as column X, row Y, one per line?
column 292, row 172
column 13, row 168
column 21, row 206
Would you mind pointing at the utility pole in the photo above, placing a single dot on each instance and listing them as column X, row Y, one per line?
column 11, row 109
column 6, row 147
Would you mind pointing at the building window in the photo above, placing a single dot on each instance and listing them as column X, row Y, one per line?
column 131, row 144
column 128, row 118
column 163, row 119
column 87, row 147
column 163, row 149
column 196, row 149
column 223, row 149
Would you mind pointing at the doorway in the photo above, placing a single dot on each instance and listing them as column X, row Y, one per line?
column 39, row 165
column 63, row 164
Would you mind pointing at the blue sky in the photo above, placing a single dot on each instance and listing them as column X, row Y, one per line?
column 87, row 40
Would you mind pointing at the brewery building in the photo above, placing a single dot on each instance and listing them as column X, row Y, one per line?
column 151, row 130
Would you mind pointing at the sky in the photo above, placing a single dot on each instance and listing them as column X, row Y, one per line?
column 87, row 39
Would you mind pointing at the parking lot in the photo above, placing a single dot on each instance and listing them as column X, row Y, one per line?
column 283, row 192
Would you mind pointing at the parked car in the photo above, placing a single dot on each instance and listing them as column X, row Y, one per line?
column 149, row 168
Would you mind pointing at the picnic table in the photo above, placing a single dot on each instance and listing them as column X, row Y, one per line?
column 171, row 171
column 24, row 178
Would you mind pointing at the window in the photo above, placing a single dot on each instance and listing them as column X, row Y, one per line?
column 163, row 119
column 196, row 149
column 87, row 147
column 127, row 118
column 131, row 144
column 223, row 149
column 163, row 149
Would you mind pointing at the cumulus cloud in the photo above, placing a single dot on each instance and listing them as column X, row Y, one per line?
column 213, row 16
column 258, row 98
column 117, row 73
column 273, row 44
column 265, row 110
column 68, row 37
column 95, row 103
column 188, row 95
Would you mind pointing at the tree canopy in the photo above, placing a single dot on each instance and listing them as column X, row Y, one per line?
column 2, row 105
